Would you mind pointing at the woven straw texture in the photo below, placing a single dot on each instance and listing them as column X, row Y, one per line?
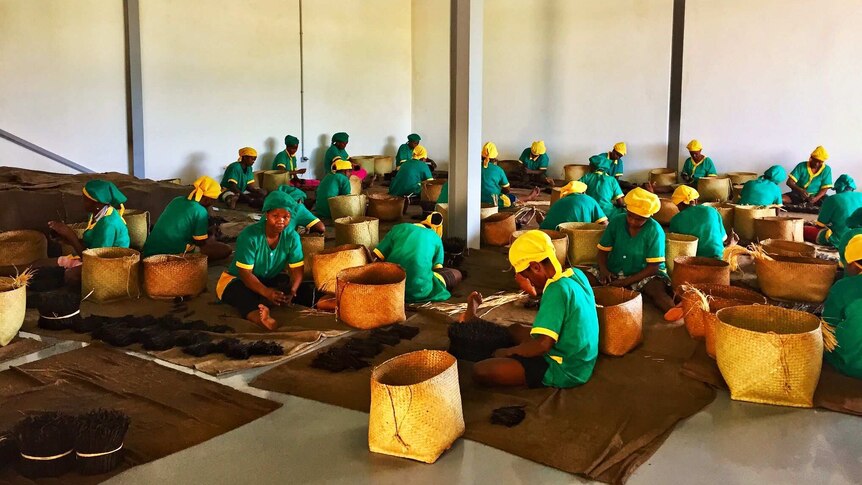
column 555, row 194
column 355, row 185
column 744, row 216
column 13, row 306
column 666, row 212
column 258, row 177
column 583, row 241
column 795, row 279
column 679, row 245
column 111, row 274
column 431, row 190
column 488, row 210
column 699, row 302
column 387, row 208
column 366, row 162
column 415, row 406
column 170, row 275
column 574, row 171
column 509, row 166
column 311, row 245
column 383, row 164
column 497, row 229
column 21, row 248
column 620, row 319
column 347, row 206
column 783, row 228
column 560, row 240
column 775, row 247
column 371, row 296
column 273, row 179
column 739, row 178
column 663, row 176
column 727, row 213
column 690, row 270
column 358, row 230
column 714, row 189
column 327, row 263
column 769, row 354
column 138, row 223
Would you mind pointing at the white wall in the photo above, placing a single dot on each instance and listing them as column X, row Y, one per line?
column 62, row 83
column 430, row 112
column 765, row 82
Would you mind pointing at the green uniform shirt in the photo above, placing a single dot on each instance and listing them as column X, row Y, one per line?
column 444, row 194
column 810, row 181
column 605, row 190
column 235, row 173
column 567, row 314
column 405, row 153
column 109, row 232
column 704, row 223
column 419, row 250
column 182, row 222
column 493, row 180
column 630, row 255
column 845, row 239
column 616, row 165
column 843, row 310
column 835, row 211
column 300, row 216
column 253, row 252
column 283, row 161
column 409, row 178
column 332, row 185
column 540, row 163
column 573, row 208
column 295, row 193
column 760, row 192
column 331, row 153
column 697, row 171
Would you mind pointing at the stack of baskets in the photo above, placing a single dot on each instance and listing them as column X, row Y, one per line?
column 700, row 302
column 775, row 247
column 110, row 274
column 371, row 296
column 620, row 314
column 167, row 276
column 347, row 206
column 744, row 216
column 20, row 248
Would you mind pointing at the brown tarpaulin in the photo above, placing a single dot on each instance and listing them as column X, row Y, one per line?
column 19, row 347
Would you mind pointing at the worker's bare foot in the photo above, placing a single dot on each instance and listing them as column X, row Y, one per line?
column 533, row 195
column 473, row 302
column 265, row 319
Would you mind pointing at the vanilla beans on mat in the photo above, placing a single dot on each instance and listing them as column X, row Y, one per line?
column 46, row 445
column 99, row 441
column 354, row 354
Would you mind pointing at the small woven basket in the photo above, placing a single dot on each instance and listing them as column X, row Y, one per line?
column 584, row 238
column 497, row 229
column 431, row 190
column 560, row 240
column 167, row 276
column 327, row 263
column 574, row 171
column 782, row 228
column 20, row 248
column 740, row 178
column 358, row 230
column 347, row 206
column 371, row 296
column 138, row 224
column 663, row 177
column 13, row 306
column 700, row 302
column 415, row 406
column 691, row 270
column 775, row 247
column 769, row 354
column 355, row 185
column 666, row 212
column 726, row 211
column 387, row 208
column 744, row 216
column 795, row 279
column 311, row 245
column 383, row 165
column 714, row 189
column 273, row 179
column 620, row 314
column 111, row 274
column 679, row 245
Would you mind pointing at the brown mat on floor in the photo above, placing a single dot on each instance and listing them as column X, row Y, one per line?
column 603, row 430
column 835, row 391
column 20, row 346
column 170, row 411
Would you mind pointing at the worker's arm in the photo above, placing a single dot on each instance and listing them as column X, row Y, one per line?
column 605, row 275
column 820, row 195
column 537, row 346
column 68, row 235
column 796, row 188
column 296, row 275
column 650, row 270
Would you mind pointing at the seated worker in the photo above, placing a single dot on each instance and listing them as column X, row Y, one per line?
column 602, row 187
column 632, row 252
column 408, row 180
column 286, row 159
column 843, row 310
column 184, row 224
column 333, row 185
column 809, row 181
column 616, row 164
column 765, row 190
column 263, row 250
column 534, row 160
column 405, row 151
column 836, row 209
column 238, row 181
column 697, row 165
column 700, row 221
column 301, row 217
column 295, row 193
column 495, row 184
column 337, row 150
column 854, row 228
column 419, row 250
column 561, row 347
column 574, row 206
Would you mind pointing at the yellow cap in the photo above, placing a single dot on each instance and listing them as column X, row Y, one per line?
column 694, row 146
column 642, row 202
column 684, row 194
column 532, row 246
column 538, row 147
column 573, row 187
column 852, row 253
column 340, row 164
column 620, row 148
column 820, row 153
column 420, row 152
column 205, row 187
column 434, row 221
column 247, row 152
column 489, row 150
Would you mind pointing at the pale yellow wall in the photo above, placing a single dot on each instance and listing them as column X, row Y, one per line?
column 430, row 112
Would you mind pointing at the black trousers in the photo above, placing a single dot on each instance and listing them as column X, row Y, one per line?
column 241, row 297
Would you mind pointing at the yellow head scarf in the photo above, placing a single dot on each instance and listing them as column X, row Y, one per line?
column 684, row 194
column 489, row 151
column 538, row 148
column 205, row 187
column 620, row 148
column 642, row 202
column 820, row 153
column 573, row 187
column 340, row 164
column 420, row 152
column 434, row 221
column 694, row 146
column 853, row 252
column 247, row 152
column 533, row 246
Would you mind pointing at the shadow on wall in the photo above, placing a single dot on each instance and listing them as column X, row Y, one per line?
column 193, row 168
column 316, row 164
column 390, row 148
column 266, row 156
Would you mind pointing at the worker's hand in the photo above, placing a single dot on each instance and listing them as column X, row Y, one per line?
column 62, row 230
column 301, row 171
column 276, row 297
column 619, row 282
column 815, row 200
column 649, row 186
column 733, row 238
column 605, row 276
column 290, row 296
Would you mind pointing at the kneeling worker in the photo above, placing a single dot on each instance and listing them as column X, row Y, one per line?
column 701, row 221
column 843, row 310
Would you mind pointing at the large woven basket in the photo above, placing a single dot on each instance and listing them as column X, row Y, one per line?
column 700, row 302
column 663, row 176
column 366, row 162
column 415, row 406
column 13, row 306
column 775, row 247
column 138, row 224
column 347, row 206
column 795, row 278
column 327, row 263
column 584, row 238
column 167, row 276
column 383, row 164
column 21, row 248
column 744, row 216
column 783, row 228
column 620, row 314
column 355, row 185
column 497, row 229
column 666, row 212
column 679, row 245
column 311, row 245
column 574, row 171
column 509, row 166
column 110, row 274
column 740, row 178
column 690, row 270
column 431, row 190
column 371, row 296
column 488, row 210
column 769, row 354
column 714, row 189
column 555, row 194
column 358, row 230
column 387, row 208
column 273, row 179
column 560, row 240
column 726, row 211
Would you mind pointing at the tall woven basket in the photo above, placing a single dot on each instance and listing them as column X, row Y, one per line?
column 383, row 164
column 273, row 179
column 679, row 245
column 415, row 406
column 714, row 189
column 13, row 306
column 111, row 274
column 700, row 302
column 775, row 247
column 740, row 178
column 20, row 248
column 769, row 354
column 795, row 279
column 366, row 162
column 431, row 190
column 311, row 245
column 666, row 212
column 783, row 228
column 488, row 210
column 387, row 208
column 575, row 171
column 371, row 296
column 691, row 270
column 327, row 263
column 347, row 206
column 584, row 238
column 620, row 314
column 560, row 240
column 138, row 223
column 355, row 185
column 497, row 229
column 744, row 216
column 726, row 211
column 556, row 192
column 167, row 276
column 358, row 230
column 663, row 176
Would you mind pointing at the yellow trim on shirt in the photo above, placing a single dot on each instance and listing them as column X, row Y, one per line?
column 618, row 197
column 712, row 175
column 440, row 277
column 312, row 223
column 223, row 281
column 293, row 265
column 201, row 238
column 603, row 248
column 232, row 180
column 546, row 332
column 655, row 260
column 244, row 266
column 505, row 186
column 281, row 165
column 250, row 182
column 556, row 358
column 791, row 177
column 603, row 219
column 438, row 266
column 819, row 223
column 825, row 186
column 379, row 254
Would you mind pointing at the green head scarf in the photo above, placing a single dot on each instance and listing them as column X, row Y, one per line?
column 855, row 220
column 775, row 174
column 291, row 141
column 294, row 193
column 600, row 164
column 278, row 200
column 414, row 137
column 340, row 137
column 845, row 183
column 104, row 192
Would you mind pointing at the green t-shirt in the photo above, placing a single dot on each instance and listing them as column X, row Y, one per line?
column 332, row 185
column 405, row 153
column 843, row 310
column 810, row 181
column 605, row 190
column 845, row 239
column 540, row 163
column 567, row 314
column 493, row 180
column 252, row 252
column 182, row 222
column 444, row 194
column 109, row 232
column 283, row 161
column 300, row 216
column 697, row 171
column 573, row 208
column 331, row 153
column 760, row 192
column 616, row 165
column 704, row 223
column 295, row 193
column 835, row 211
column 630, row 255
column 235, row 173
column 409, row 178
column 419, row 250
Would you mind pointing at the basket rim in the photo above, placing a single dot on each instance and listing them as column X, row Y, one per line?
column 380, row 369
column 498, row 217
column 345, row 273
column 385, row 198
column 700, row 261
column 96, row 252
column 348, row 220
column 778, row 218
column 662, row 171
column 630, row 295
column 581, row 226
column 676, row 236
column 338, row 249
column 800, row 315
column 20, row 235
column 160, row 258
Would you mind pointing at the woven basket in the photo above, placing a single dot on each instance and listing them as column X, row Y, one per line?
column 273, row 179
column 431, row 190
column 170, row 275
column 347, row 206
column 13, row 306
column 555, row 194
column 560, row 240
column 258, row 178
column 326, row 264
column 620, row 319
column 775, row 247
column 138, row 224
column 726, row 211
column 769, row 355
column 358, row 230
column 663, row 177
column 497, row 229
column 20, row 248
column 371, row 296
column 584, row 238
column 509, row 166
column 415, row 406
column 111, row 274
column 387, row 208
column 311, row 245
column 690, row 270
column 795, row 279
column 700, row 313
column 679, row 245
column 744, row 216
column 383, row 164
column 783, row 228
column 574, row 171
column 740, row 178
column 714, row 189
column 488, row 210
column 666, row 212
column 366, row 162
column 355, row 185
